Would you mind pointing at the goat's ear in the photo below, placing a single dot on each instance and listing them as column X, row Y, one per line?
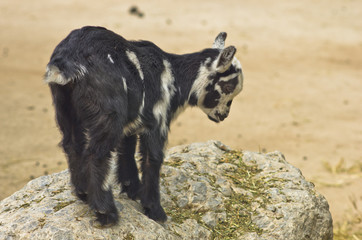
column 225, row 58
column 219, row 42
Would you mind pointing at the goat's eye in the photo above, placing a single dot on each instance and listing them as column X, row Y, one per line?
column 228, row 88
column 229, row 103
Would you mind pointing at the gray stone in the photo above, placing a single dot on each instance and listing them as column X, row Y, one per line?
column 197, row 194
column 182, row 202
column 199, row 188
column 209, row 219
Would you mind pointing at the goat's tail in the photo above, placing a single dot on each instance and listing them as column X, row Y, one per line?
column 62, row 74
column 53, row 75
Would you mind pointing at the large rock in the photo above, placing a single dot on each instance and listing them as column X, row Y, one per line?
column 208, row 192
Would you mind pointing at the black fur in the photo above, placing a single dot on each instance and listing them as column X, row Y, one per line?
column 106, row 91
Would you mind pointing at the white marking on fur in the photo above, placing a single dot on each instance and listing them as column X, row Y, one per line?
column 201, row 81
column 168, row 90
column 143, row 103
column 133, row 58
column 109, row 179
column 87, row 138
column 134, row 127
column 229, row 77
column 109, row 57
column 124, row 84
column 225, row 79
column 53, row 75
column 82, row 71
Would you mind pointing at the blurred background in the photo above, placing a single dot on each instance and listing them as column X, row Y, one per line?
column 302, row 92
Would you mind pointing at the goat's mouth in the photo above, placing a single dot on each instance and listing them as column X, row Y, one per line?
column 218, row 117
column 214, row 119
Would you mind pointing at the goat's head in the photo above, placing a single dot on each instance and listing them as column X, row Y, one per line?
column 219, row 81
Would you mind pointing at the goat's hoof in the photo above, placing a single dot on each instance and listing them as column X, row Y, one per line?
column 82, row 196
column 105, row 220
column 157, row 214
column 132, row 190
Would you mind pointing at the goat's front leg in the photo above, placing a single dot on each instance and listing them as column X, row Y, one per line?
column 151, row 147
column 127, row 171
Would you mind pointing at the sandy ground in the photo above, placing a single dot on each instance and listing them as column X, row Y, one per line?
column 302, row 92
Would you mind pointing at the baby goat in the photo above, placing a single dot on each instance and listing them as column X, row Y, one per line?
column 107, row 91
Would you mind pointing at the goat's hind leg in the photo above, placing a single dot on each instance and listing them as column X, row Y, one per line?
column 73, row 140
column 103, row 139
column 77, row 165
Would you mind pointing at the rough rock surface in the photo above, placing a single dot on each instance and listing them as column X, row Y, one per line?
column 208, row 192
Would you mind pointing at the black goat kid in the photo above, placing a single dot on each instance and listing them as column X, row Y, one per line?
column 107, row 91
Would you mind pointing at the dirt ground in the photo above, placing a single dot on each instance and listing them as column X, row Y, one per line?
column 302, row 90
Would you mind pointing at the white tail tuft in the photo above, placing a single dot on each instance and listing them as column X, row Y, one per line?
column 53, row 75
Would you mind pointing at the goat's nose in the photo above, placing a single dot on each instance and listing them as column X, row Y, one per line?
column 221, row 116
